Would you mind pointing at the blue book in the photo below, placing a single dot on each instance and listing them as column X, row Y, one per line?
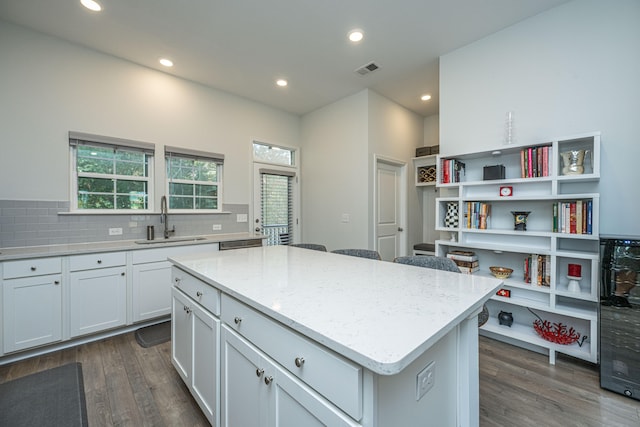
column 589, row 216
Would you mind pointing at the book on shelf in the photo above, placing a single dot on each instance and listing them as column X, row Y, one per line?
column 477, row 214
column 451, row 170
column 462, row 256
column 537, row 270
column 535, row 161
column 573, row 217
column 468, row 270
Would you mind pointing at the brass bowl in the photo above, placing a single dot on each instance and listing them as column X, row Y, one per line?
column 501, row 272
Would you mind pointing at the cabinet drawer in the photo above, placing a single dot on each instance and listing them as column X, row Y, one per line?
column 99, row 260
column 160, row 254
column 31, row 267
column 206, row 295
column 337, row 379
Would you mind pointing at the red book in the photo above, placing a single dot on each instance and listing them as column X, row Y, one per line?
column 529, row 152
column 445, row 171
column 545, row 161
column 572, row 218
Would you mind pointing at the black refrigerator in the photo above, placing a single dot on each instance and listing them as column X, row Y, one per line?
column 620, row 316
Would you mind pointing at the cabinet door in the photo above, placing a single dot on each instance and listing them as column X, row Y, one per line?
column 97, row 300
column 206, row 362
column 151, row 290
column 244, row 394
column 32, row 311
column 181, row 335
column 295, row 404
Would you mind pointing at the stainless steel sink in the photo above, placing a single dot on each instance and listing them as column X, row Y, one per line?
column 170, row 240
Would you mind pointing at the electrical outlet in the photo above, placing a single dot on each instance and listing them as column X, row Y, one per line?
column 217, row 227
column 425, row 380
column 241, row 218
column 115, row 231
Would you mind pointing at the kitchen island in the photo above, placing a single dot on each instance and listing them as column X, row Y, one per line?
column 302, row 336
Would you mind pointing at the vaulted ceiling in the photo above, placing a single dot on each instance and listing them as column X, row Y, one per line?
column 243, row 46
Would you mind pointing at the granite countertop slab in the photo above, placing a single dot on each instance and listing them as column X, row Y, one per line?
column 27, row 252
column 379, row 314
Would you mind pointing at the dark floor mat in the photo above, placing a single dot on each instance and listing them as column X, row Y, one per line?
column 154, row 334
column 54, row 397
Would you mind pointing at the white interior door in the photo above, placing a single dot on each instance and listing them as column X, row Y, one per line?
column 389, row 209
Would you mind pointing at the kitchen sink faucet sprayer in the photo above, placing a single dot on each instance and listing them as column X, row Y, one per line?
column 164, row 219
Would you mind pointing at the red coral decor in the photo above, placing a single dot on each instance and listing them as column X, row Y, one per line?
column 556, row 332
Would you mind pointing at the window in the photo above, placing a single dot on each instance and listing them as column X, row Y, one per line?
column 271, row 154
column 276, row 205
column 110, row 174
column 194, row 179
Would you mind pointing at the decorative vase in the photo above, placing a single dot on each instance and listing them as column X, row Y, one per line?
column 451, row 218
column 505, row 318
column 520, row 220
column 573, row 162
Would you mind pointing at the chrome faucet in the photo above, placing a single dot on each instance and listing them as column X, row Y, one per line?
column 163, row 217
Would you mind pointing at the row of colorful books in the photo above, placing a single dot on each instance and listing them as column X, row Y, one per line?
column 535, row 161
column 476, row 215
column 537, row 270
column 575, row 217
column 466, row 261
column 451, row 170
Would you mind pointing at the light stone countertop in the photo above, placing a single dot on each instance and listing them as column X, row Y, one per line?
column 27, row 252
column 379, row 314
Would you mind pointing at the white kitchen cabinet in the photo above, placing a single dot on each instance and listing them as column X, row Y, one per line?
column 195, row 352
column 151, row 282
column 31, row 303
column 97, row 292
column 540, row 180
column 258, row 392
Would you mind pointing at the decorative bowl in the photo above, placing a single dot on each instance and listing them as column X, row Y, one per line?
column 556, row 332
column 501, row 272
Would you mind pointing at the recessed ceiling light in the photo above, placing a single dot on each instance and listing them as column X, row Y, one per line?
column 166, row 62
column 356, row 35
column 282, row 82
column 91, row 5
column 425, row 97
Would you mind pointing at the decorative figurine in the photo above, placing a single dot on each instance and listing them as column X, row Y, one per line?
column 505, row 318
column 520, row 220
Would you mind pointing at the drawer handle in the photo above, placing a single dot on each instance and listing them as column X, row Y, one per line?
column 299, row 362
column 268, row 380
column 56, row 282
column 33, row 269
column 122, row 274
column 198, row 294
column 259, row 372
column 237, row 320
column 187, row 309
column 177, row 280
column 99, row 261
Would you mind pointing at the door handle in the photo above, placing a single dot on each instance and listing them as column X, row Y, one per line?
column 400, row 229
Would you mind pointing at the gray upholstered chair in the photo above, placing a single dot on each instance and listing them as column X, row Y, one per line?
column 437, row 262
column 312, row 246
column 362, row 253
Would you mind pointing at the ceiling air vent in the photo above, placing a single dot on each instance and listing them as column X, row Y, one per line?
column 366, row 69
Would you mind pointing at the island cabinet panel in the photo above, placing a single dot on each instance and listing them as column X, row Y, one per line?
column 195, row 352
column 306, row 360
column 250, row 379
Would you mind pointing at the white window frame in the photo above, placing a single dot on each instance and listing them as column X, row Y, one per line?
column 78, row 138
column 293, row 151
column 186, row 153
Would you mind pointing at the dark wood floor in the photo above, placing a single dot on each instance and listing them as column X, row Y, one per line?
column 127, row 385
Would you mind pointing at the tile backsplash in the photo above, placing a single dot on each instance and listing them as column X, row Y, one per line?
column 38, row 222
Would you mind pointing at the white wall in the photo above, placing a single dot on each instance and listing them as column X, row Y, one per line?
column 431, row 130
column 49, row 87
column 339, row 143
column 569, row 70
column 395, row 132
column 334, row 172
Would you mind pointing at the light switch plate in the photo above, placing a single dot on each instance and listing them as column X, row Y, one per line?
column 241, row 218
column 115, row 231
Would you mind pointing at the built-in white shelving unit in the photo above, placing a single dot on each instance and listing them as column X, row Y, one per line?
column 541, row 181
